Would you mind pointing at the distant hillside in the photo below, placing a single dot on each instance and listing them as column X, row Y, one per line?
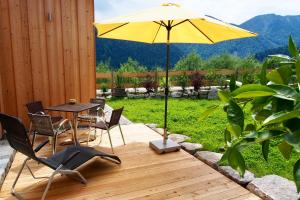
column 273, row 33
column 150, row 55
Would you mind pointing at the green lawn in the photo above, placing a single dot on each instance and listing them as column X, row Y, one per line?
column 183, row 118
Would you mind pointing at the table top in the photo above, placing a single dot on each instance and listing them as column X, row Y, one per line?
column 77, row 107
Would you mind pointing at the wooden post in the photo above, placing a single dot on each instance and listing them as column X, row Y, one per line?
column 112, row 80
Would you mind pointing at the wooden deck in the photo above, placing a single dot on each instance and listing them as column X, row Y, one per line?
column 143, row 174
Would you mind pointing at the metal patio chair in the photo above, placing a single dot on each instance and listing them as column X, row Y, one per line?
column 36, row 107
column 114, row 121
column 65, row 162
column 42, row 125
column 94, row 115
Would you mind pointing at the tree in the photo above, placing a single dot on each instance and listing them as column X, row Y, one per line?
column 131, row 66
column 192, row 61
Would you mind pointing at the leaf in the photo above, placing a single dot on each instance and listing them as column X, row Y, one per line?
column 293, row 139
column 285, row 92
column 268, row 134
column 258, row 103
column 227, row 137
column 262, row 115
column 297, row 66
column 252, row 90
column 250, row 127
column 236, row 161
column 279, row 104
column 280, row 75
column 232, row 84
column 224, row 96
column 296, row 173
column 235, row 114
column 265, row 149
column 281, row 117
column 207, row 112
column 281, row 56
column 251, row 137
column 285, row 150
column 293, row 124
column 293, row 48
column 263, row 74
column 235, row 130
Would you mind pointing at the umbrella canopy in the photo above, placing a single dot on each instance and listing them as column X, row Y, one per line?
column 169, row 23
column 150, row 26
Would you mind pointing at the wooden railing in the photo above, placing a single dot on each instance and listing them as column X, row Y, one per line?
column 157, row 74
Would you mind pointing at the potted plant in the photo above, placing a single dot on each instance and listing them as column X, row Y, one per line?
column 119, row 90
column 197, row 82
column 149, row 85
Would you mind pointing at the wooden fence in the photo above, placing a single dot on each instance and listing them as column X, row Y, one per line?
column 158, row 74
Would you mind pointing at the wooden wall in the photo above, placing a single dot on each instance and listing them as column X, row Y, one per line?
column 47, row 53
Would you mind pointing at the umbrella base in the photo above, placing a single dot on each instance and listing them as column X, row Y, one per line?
column 159, row 147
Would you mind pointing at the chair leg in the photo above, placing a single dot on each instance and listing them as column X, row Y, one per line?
column 54, row 143
column 36, row 177
column 13, row 191
column 112, row 149
column 122, row 134
column 89, row 134
column 70, row 174
column 50, row 182
column 33, row 138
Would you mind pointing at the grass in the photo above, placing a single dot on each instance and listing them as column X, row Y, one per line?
column 183, row 118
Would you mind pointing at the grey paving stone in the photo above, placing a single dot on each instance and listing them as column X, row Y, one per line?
column 273, row 187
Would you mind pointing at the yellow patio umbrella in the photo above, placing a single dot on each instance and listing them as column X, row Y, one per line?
column 169, row 23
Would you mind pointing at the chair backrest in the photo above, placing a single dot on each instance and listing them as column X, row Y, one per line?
column 16, row 135
column 42, row 124
column 96, row 111
column 115, row 117
column 35, row 107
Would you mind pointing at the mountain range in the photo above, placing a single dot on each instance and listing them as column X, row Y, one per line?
column 273, row 31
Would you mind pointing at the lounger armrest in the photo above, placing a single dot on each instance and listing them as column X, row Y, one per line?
column 41, row 146
column 70, row 157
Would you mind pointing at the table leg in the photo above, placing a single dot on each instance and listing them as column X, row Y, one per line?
column 75, row 124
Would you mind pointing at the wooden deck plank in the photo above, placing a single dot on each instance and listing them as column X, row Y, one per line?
column 143, row 174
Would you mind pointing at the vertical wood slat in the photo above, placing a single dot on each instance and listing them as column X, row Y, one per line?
column 38, row 51
column 6, row 62
column 91, row 48
column 21, row 56
column 48, row 60
column 82, row 14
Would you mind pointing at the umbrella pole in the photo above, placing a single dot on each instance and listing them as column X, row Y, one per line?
column 166, row 145
column 165, row 136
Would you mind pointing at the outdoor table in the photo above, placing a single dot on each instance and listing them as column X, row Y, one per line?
column 74, row 109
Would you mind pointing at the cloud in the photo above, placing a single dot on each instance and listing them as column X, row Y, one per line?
column 233, row 11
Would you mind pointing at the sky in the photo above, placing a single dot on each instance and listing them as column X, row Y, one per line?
column 232, row 11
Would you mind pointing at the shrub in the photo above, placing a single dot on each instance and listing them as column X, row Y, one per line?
column 275, row 109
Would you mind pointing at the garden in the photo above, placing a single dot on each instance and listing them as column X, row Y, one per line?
column 254, row 123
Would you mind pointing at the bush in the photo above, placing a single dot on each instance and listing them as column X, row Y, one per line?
column 275, row 111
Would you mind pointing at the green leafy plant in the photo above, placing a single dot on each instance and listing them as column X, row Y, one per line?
column 275, row 111
column 120, row 80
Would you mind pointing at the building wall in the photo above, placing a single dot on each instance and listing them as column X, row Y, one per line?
column 47, row 53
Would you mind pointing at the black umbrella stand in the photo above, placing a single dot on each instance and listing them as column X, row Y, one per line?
column 166, row 145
